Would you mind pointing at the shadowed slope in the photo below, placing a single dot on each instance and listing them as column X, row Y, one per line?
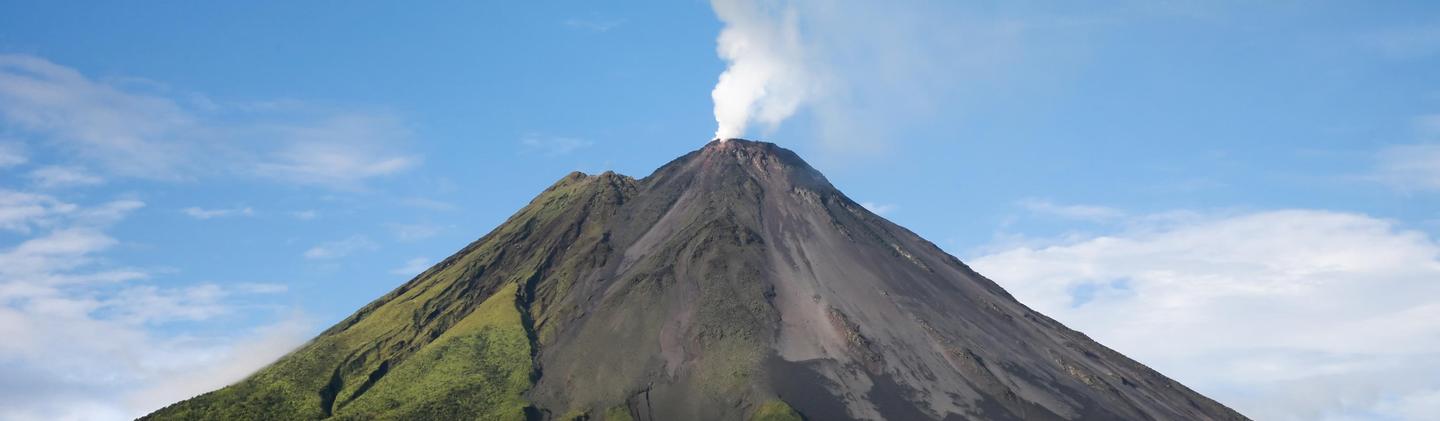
column 735, row 282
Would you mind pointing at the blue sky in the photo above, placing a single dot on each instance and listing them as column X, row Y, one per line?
column 193, row 189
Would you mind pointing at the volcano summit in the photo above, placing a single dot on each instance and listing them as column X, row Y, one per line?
column 733, row 283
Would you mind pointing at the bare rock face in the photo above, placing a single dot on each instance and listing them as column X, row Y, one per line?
column 733, row 283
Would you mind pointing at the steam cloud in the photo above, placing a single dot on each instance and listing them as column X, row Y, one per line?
column 767, row 77
column 862, row 70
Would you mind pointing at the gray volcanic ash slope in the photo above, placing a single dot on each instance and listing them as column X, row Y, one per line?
column 733, row 283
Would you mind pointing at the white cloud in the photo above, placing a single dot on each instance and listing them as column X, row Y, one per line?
column 202, row 213
column 12, row 154
column 881, row 209
column 151, row 304
column 341, row 248
column 129, row 132
column 46, row 261
column 80, row 334
column 1295, row 314
column 554, row 145
column 769, row 73
column 1421, row 405
column 1413, row 167
column 182, row 368
column 413, row 267
column 21, row 211
column 867, row 71
column 1080, row 212
column 1410, row 167
column 337, row 152
column 82, row 367
column 59, row 176
column 108, row 213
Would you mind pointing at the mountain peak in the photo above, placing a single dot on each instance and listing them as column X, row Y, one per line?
column 747, row 147
column 739, row 143
column 734, row 161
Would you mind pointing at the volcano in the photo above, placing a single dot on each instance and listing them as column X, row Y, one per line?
column 734, row 283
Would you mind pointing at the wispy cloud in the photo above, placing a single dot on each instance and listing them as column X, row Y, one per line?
column 1291, row 314
column 20, row 211
column 337, row 152
column 202, row 213
column 12, row 153
column 553, row 145
column 1080, row 212
column 413, row 266
column 1410, row 167
column 341, row 248
column 59, row 176
column 128, row 132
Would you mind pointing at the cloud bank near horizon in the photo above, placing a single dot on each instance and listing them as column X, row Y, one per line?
column 87, row 338
column 1293, row 314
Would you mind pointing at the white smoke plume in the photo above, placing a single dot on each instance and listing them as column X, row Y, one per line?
column 767, row 78
column 863, row 71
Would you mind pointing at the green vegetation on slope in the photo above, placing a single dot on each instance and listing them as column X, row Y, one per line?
column 476, row 370
column 776, row 410
column 618, row 413
column 286, row 390
column 412, row 324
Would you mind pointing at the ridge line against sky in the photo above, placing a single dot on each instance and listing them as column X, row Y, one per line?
column 188, row 198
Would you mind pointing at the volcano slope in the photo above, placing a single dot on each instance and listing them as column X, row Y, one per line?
column 733, row 283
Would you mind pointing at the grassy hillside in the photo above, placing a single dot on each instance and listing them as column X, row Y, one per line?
column 455, row 342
